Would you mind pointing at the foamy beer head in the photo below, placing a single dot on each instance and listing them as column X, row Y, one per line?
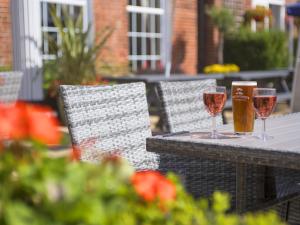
column 242, row 106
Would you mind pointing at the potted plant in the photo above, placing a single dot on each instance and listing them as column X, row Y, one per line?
column 258, row 14
column 75, row 59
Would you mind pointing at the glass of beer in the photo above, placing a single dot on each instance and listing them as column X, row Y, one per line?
column 242, row 106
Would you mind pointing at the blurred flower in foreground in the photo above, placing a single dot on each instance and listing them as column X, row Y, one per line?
column 152, row 185
column 25, row 121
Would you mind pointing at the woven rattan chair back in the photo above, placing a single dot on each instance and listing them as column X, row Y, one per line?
column 182, row 105
column 112, row 118
column 10, row 84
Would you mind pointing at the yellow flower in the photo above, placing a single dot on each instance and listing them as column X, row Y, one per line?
column 217, row 68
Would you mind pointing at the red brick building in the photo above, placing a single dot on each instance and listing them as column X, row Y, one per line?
column 139, row 37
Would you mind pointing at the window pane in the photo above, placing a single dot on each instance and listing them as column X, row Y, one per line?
column 157, row 43
column 130, row 22
column 139, row 46
column 50, row 6
column 52, row 40
column 77, row 11
column 158, row 3
column 157, row 23
column 139, row 22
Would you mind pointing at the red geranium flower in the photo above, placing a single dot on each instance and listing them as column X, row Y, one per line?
column 13, row 121
column 151, row 185
column 42, row 124
column 23, row 121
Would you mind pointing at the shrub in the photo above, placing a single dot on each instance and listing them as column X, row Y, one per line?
column 38, row 190
column 257, row 50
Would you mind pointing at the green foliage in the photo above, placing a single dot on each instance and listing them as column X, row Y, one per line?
column 75, row 58
column 222, row 18
column 5, row 68
column 256, row 50
column 38, row 190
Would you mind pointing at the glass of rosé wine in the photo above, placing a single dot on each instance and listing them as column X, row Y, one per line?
column 264, row 102
column 214, row 98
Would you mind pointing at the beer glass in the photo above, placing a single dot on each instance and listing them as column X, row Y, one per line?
column 242, row 106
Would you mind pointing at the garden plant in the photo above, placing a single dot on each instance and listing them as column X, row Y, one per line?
column 37, row 189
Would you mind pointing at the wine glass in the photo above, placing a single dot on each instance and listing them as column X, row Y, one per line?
column 214, row 98
column 264, row 101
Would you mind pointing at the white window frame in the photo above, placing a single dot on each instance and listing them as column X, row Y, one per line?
column 45, row 28
column 133, row 35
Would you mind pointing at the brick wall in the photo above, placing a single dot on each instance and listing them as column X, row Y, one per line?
column 5, row 34
column 113, row 13
column 184, row 55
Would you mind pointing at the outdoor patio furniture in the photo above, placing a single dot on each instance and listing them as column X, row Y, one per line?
column 281, row 152
column 111, row 119
column 114, row 119
column 183, row 110
column 10, row 84
column 182, row 105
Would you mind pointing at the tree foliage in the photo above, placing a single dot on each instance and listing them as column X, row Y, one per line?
column 222, row 18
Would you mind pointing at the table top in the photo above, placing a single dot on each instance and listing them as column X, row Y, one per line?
column 281, row 151
column 244, row 75
column 154, row 78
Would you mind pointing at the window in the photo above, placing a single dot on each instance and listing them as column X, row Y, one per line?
column 74, row 7
column 145, row 34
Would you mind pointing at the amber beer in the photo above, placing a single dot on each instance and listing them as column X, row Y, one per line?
column 242, row 106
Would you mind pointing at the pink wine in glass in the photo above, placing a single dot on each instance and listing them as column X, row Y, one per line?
column 214, row 102
column 264, row 105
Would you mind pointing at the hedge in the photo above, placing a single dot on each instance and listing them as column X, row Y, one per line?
column 261, row 50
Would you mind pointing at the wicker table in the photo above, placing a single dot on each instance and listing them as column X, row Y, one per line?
column 282, row 151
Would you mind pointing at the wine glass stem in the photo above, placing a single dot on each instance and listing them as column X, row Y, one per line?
column 214, row 127
column 263, row 133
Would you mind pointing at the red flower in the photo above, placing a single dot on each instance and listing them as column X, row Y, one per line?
column 151, row 185
column 42, row 124
column 75, row 154
column 13, row 121
column 23, row 121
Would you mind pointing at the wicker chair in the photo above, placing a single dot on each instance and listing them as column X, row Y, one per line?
column 10, row 83
column 114, row 118
column 183, row 110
